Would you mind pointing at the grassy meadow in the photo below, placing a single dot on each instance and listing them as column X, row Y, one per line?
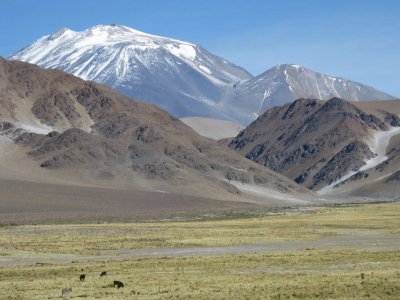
column 304, row 273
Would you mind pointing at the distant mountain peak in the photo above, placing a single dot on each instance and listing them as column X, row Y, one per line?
column 179, row 76
column 62, row 31
column 288, row 66
column 285, row 83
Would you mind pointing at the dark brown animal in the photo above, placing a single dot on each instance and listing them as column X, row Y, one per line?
column 118, row 284
column 104, row 273
column 66, row 291
column 82, row 277
column 362, row 276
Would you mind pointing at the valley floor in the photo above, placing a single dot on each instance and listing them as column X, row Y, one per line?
column 302, row 253
column 28, row 202
column 25, row 202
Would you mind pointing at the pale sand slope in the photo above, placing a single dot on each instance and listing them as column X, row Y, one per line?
column 213, row 128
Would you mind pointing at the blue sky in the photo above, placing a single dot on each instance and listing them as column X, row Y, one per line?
column 355, row 39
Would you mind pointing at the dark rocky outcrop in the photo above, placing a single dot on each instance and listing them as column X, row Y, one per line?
column 392, row 119
column 350, row 158
column 394, row 177
column 358, row 176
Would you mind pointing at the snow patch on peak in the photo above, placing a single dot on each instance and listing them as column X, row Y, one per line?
column 38, row 128
column 205, row 69
column 291, row 67
column 182, row 50
column 115, row 29
column 63, row 32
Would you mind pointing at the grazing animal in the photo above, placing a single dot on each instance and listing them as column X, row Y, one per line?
column 104, row 273
column 82, row 277
column 362, row 276
column 66, row 291
column 118, row 284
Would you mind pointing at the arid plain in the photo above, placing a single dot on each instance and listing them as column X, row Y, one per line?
column 342, row 252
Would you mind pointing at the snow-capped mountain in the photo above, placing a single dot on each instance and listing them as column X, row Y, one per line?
column 181, row 77
column 288, row 82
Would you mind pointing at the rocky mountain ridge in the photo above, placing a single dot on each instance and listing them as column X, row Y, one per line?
column 55, row 127
column 314, row 142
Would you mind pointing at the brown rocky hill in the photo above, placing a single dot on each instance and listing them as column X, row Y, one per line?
column 57, row 128
column 382, row 180
column 314, row 142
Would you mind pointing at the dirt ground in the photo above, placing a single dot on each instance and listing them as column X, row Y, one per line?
column 24, row 202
